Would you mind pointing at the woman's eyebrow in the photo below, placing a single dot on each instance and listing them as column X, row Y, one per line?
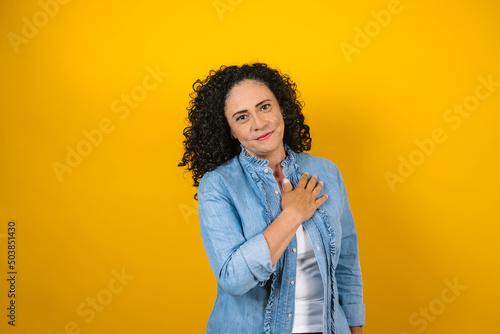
column 245, row 110
column 258, row 104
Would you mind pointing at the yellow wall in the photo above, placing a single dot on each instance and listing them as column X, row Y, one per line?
column 124, row 209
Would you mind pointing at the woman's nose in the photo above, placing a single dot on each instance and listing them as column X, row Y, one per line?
column 259, row 121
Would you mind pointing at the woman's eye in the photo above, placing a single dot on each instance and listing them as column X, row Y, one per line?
column 240, row 118
column 266, row 106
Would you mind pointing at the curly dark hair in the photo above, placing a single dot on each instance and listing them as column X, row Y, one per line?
column 208, row 142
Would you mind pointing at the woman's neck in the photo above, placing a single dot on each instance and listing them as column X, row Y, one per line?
column 278, row 170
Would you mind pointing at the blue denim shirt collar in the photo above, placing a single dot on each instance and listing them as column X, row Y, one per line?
column 253, row 163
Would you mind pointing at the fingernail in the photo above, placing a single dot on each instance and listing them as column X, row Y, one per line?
column 286, row 180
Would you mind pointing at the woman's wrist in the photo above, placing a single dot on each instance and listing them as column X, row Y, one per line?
column 356, row 330
column 292, row 216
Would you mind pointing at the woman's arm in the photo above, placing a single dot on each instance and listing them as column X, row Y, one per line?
column 298, row 205
column 240, row 264
column 348, row 271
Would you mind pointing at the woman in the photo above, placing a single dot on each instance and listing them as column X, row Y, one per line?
column 275, row 221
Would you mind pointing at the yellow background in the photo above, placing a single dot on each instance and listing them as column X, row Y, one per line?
column 127, row 206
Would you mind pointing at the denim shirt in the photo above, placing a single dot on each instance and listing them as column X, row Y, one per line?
column 237, row 202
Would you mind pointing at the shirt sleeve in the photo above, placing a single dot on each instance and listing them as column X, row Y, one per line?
column 348, row 271
column 237, row 263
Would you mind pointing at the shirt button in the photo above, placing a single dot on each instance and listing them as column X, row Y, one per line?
column 289, row 315
column 266, row 170
column 276, row 192
column 292, row 282
column 294, row 250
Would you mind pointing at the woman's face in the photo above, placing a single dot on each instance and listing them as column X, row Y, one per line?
column 255, row 119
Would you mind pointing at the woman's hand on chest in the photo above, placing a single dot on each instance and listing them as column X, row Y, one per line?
column 302, row 201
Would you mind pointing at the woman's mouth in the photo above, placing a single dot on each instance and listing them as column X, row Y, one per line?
column 265, row 136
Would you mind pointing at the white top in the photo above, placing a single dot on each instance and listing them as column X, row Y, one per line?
column 308, row 287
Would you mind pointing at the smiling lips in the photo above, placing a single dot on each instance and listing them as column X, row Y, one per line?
column 265, row 136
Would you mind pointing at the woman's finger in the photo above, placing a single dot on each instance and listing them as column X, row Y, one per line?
column 287, row 185
column 303, row 181
column 321, row 200
column 317, row 189
column 312, row 183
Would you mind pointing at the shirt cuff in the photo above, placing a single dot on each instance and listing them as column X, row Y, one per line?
column 355, row 314
column 258, row 257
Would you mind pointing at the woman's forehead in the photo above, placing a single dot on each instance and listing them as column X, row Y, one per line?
column 248, row 91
